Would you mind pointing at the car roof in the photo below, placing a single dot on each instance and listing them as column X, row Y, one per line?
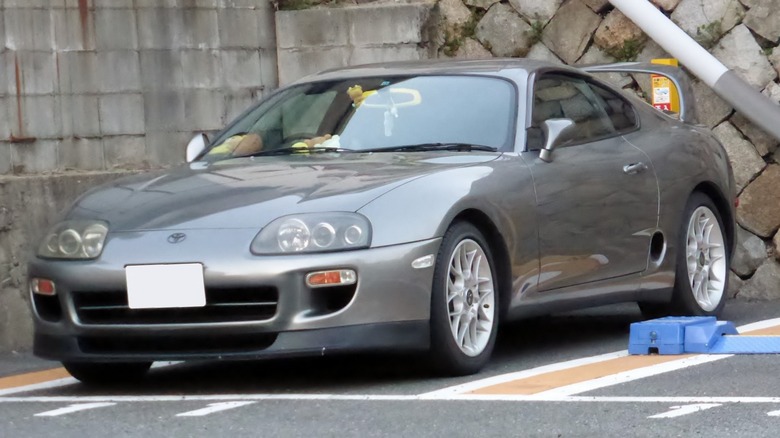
column 436, row 66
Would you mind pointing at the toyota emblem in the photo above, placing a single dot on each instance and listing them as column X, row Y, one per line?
column 176, row 237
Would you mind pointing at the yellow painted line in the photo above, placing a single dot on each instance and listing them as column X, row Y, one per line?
column 557, row 379
column 769, row 331
column 32, row 378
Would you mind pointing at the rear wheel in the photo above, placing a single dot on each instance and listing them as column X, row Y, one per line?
column 701, row 278
column 464, row 305
column 103, row 373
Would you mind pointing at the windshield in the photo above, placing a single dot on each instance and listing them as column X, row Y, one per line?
column 375, row 114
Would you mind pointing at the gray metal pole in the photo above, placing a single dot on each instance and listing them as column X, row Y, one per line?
column 743, row 97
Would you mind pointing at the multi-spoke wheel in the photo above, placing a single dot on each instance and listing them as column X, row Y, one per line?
column 706, row 258
column 464, row 311
column 702, row 269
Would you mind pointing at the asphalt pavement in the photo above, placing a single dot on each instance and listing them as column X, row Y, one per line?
column 391, row 396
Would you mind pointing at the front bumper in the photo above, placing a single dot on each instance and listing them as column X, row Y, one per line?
column 388, row 309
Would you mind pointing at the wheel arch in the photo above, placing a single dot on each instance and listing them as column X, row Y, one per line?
column 498, row 250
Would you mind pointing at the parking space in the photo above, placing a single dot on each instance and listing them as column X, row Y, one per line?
column 567, row 375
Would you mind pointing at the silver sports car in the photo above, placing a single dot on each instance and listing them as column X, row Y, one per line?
column 396, row 207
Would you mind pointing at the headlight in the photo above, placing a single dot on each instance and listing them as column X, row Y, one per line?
column 77, row 239
column 313, row 232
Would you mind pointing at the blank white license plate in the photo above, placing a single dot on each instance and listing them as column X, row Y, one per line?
column 165, row 286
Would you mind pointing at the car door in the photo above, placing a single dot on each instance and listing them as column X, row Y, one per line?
column 597, row 200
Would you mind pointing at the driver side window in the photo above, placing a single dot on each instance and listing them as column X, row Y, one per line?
column 558, row 96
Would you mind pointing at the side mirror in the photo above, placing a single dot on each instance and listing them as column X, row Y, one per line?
column 556, row 131
column 196, row 146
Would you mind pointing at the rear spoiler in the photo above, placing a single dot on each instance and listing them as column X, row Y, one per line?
column 675, row 74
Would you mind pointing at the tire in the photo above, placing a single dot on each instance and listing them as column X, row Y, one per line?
column 105, row 373
column 464, row 309
column 702, row 264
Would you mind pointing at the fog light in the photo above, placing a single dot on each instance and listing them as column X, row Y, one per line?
column 41, row 286
column 341, row 277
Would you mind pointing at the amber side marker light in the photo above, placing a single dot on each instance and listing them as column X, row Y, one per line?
column 42, row 286
column 340, row 277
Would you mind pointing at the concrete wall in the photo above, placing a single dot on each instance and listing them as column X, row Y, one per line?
column 318, row 39
column 104, row 84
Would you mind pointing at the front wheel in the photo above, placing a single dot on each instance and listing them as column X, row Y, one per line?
column 104, row 373
column 701, row 278
column 464, row 305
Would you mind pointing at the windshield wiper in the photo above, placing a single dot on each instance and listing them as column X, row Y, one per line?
column 291, row 151
column 461, row 147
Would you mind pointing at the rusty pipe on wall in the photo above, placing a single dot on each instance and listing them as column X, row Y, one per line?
column 726, row 83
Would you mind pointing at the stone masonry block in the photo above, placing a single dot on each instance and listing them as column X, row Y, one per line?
column 268, row 69
column 164, row 110
column 119, row 71
column 237, row 3
column 176, row 3
column 203, row 110
column 2, row 32
column 28, row 29
column 116, row 29
column 104, row 4
column 81, row 154
column 201, row 69
column 41, row 117
column 759, row 204
column 38, row 72
column 570, row 30
column 80, row 115
column 125, row 152
column 122, row 114
column 709, row 20
column 200, row 30
column 166, row 148
column 266, row 26
column 161, row 69
column 295, row 64
column 170, row 28
column 37, row 157
column 366, row 55
column 393, row 24
column 319, row 28
column 78, row 72
column 241, row 68
column 5, row 158
column 738, row 50
column 7, row 83
column 72, row 31
column 159, row 28
column 710, row 108
column 5, row 119
column 21, row 4
column 238, row 29
column 743, row 156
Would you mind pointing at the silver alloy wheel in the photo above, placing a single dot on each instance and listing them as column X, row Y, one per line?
column 470, row 297
column 706, row 259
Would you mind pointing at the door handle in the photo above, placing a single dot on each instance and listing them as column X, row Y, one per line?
column 634, row 168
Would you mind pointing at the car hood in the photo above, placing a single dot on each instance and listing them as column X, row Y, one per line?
column 251, row 192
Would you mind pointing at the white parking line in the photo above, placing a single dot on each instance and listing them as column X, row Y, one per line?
column 215, row 407
column 379, row 397
column 73, row 408
column 679, row 411
column 773, row 413
column 503, row 378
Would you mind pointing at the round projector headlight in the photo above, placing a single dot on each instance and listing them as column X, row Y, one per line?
column 69, row 242
column 353, row 234
column 323, row 235
column 293, row 236
column 93, row 238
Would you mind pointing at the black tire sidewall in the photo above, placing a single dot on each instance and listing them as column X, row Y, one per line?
column 684, row 301
column 447, row 357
